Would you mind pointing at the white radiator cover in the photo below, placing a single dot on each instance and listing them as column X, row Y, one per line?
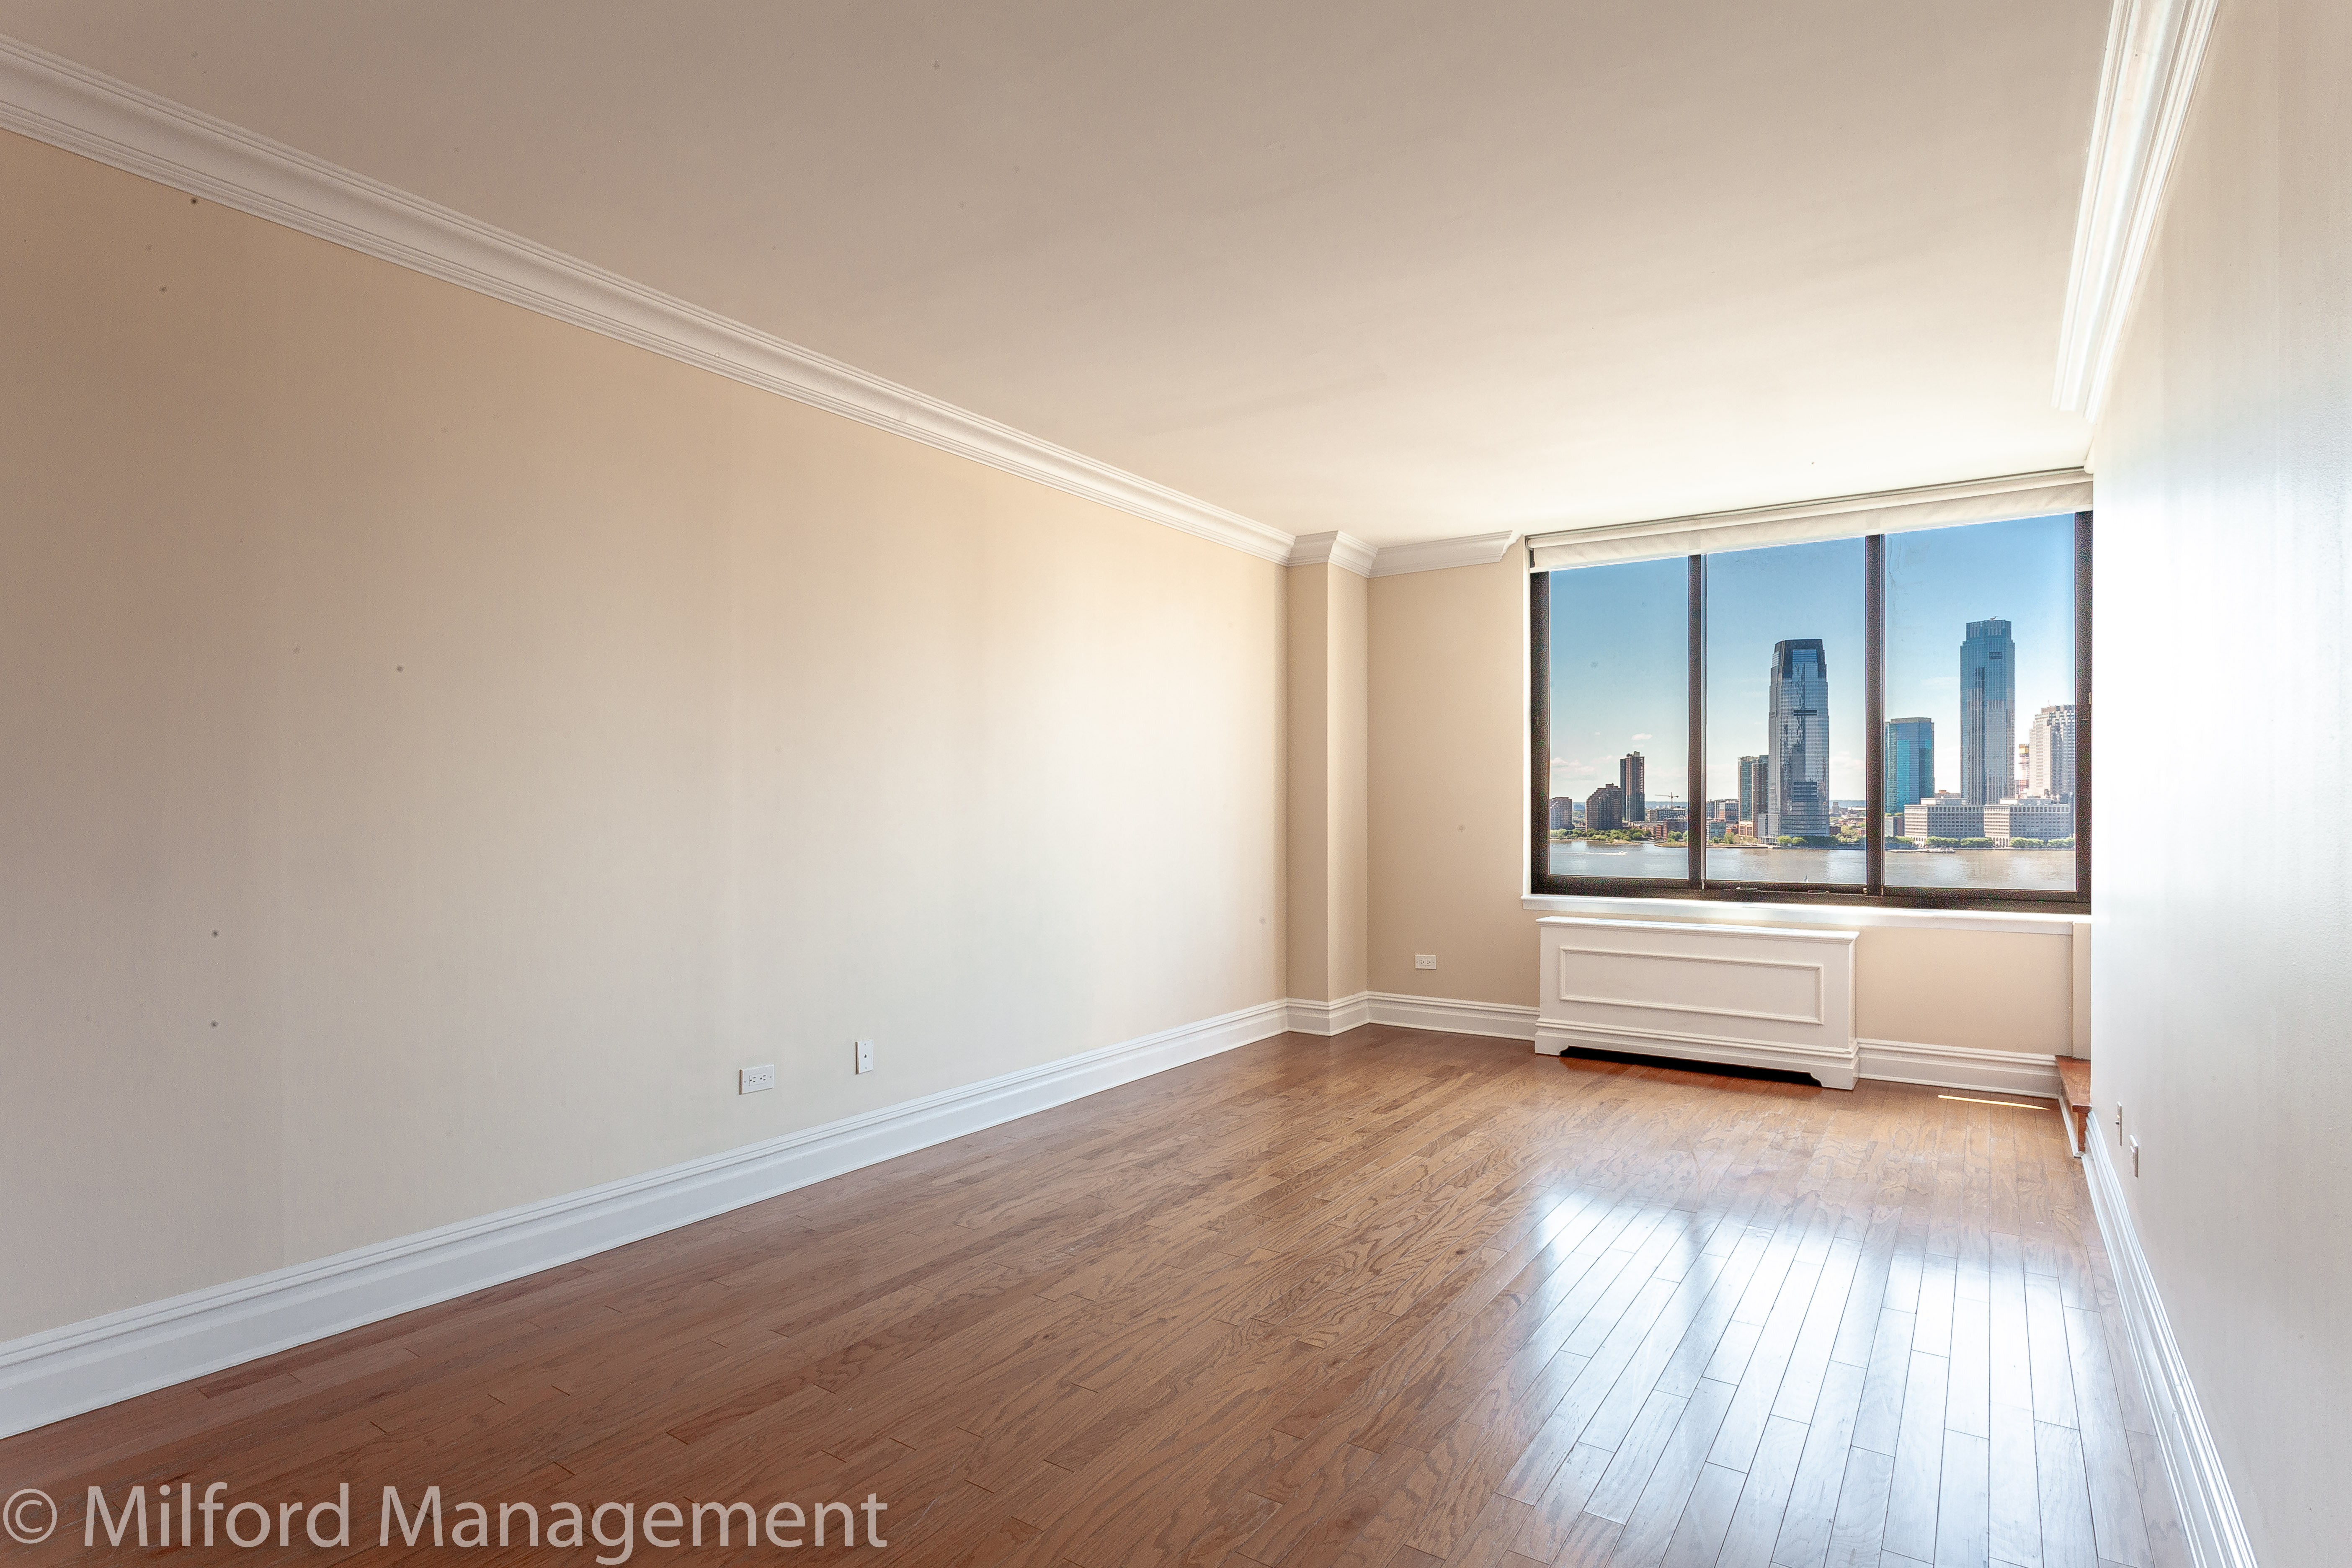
column 1760, row 997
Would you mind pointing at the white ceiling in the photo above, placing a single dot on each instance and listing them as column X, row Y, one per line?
column 1406, row 270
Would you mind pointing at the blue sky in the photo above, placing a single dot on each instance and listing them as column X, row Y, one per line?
column 1618, row 665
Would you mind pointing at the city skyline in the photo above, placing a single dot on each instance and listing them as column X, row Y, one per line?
column 1620, row 641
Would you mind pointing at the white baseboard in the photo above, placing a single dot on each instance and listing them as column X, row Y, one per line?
column 1961, row 1066
column 1500, row 1019
column 1834, row 1068
column 2201, row 1492
column 1347, row 1012
column 1896, row 1061
column 65, row 1371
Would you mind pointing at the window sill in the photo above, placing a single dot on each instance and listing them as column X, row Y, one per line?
column 1727, row 912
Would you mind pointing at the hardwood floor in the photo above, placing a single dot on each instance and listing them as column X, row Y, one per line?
column 1395, row 1297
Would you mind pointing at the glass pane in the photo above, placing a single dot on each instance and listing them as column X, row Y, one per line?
column 1620, row 720
column 1980, row 706
column 1785, row 780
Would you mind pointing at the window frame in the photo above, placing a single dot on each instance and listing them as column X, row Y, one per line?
column 1874, row 891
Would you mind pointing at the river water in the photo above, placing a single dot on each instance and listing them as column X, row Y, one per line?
column 2004, row 870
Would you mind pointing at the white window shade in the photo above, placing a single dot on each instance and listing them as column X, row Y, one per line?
column 1845, row 517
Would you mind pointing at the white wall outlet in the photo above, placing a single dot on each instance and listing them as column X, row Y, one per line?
column 865, row 1056
column 2119, row 1121
column 751, row 1080
column 1424, row 960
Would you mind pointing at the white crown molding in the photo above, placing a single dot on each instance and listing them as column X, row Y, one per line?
column 2154, row 48
column 65, row 1371
column 1343, row 550
column 1992, row 500
column 2192, row 1464
column 68, row 106
column 1436, row 554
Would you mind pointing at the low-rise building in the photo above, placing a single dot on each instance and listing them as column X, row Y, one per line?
column 2029, row 819
column 1945, row 816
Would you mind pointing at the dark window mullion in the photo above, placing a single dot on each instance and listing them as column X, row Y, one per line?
column 1694, row 818
column 1539, row 727
column 2083, row 706
column 1874, row 713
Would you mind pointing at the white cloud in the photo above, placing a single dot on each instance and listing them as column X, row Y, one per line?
column 1645, row 736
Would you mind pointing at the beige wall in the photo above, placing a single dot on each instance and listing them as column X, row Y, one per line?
column 1449, row 784
column 441, row 746
column 2224, row 986
column 1449, row 767
column 1328, row 848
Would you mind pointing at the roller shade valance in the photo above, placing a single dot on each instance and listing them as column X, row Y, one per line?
column 1844, row 517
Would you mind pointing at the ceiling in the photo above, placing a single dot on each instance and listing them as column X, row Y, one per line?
column 1404, row 271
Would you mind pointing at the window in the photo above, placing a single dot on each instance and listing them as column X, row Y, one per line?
column 1619, row 719
column 1900, row 718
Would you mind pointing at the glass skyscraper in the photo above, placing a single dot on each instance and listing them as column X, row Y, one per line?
column 1751, row 787
column 1910, row 761
column 1987, row 713
column 1798, row 724
column 2049, row 770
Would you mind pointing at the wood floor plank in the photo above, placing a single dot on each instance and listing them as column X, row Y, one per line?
column 1650, row 1526
column 1860, row 1527
column 1764, row 1501
column 1759, row 1383
column 2115, row 1517
column 1968, row 1394
column 1388, row 1298
column 1811, row 1515
column 2015, row 1490
column 1697, row 1540
column 1918, row 1462
column 1963, row 1503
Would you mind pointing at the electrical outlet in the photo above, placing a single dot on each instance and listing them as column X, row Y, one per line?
column 865, row 1056
column 2119, row 1123
column 1424, row 960
column 2135, row 1148
column 751, row 1080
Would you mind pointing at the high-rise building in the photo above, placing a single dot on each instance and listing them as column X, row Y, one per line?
column 2050, row 772
column 1798, row 723
column 1631, row 772
column 1604, row 809
column 1751, row 787
column 1563, row 812
column 1987, row 713
column 1910, row 761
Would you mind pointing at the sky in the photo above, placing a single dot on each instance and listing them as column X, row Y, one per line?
column 1619, row 662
